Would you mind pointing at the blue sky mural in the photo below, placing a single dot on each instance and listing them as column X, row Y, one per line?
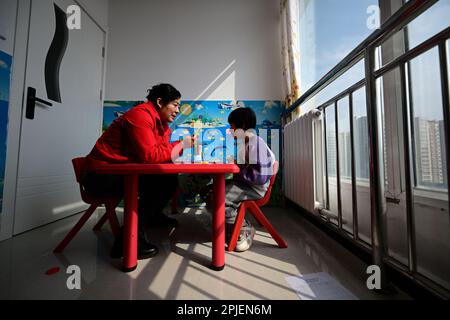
column 268, row 112
column 5, row 79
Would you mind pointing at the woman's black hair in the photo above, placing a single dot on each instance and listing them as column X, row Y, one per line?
column 243, row 118
column 165, row 91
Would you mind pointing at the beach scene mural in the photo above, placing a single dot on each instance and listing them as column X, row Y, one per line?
column 208, row 120
column 5, row 79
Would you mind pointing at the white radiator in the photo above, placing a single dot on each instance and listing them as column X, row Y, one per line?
column 299, row 161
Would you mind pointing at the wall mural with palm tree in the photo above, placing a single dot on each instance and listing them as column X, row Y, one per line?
column 209, row 118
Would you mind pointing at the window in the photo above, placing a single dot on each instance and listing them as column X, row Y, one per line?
column 430, row 190
column 428, row 120
column 429, row 207
column 426, row 25
column 345, row 163
column 432, row 21
column 362, row 173
column 327, row 35
column 330, row 138
column 411, row 123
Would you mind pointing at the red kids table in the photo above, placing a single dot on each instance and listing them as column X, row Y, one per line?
column 131, row 173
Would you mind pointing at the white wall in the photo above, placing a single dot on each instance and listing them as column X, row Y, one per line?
column 98, row 9
column 208, row 49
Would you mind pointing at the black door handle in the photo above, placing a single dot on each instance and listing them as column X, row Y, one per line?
column 31, row 102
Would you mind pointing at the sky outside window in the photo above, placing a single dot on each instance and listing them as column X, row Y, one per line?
column 329, row 30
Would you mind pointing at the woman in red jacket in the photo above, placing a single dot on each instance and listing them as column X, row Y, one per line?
column 141, row 135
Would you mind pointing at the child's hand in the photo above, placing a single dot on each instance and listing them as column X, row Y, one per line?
column 231, row 160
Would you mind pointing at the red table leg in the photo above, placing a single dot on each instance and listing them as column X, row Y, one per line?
column 218, row 243
column 130, row 223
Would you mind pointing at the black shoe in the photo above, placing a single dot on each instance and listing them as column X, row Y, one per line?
column 146, row 250
column 163, row 221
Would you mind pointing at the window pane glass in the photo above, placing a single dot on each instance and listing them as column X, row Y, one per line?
column 428, row 118
column 448, row 58
column 345, row 164
column 327, row 35
column 429, row 23
column 389, row 100
column 331, row 160
column 361, row 147
column 342, row 83
column 431, row 213
column 319, row 176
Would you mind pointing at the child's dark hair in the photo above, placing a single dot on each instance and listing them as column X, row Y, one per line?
column 165, row 91
column 243, row 118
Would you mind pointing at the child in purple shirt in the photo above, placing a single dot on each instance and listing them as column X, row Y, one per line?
column 255, row 160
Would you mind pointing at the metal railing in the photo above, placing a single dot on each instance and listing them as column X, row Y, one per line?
column 366, row 51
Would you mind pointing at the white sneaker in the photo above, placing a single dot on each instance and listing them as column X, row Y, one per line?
column 245, row 239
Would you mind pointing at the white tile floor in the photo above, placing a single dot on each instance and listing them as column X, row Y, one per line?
column 180, row 270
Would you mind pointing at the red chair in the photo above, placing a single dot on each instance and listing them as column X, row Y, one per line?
column 253, row 207
column 110, row 204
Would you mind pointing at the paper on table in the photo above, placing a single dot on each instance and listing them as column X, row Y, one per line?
column 319, row 286
column 198, row 158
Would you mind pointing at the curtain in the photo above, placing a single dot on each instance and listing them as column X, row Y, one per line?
column 290, row 51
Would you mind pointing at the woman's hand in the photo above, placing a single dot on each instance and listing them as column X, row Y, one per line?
column 189, row 142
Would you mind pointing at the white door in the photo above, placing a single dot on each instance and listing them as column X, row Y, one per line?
column 71, row 60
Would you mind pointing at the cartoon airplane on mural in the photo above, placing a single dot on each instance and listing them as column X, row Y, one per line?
column 227, row 106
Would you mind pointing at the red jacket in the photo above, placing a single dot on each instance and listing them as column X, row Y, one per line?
column 138, row 136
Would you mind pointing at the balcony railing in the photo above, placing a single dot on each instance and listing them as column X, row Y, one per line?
column 367, row 51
